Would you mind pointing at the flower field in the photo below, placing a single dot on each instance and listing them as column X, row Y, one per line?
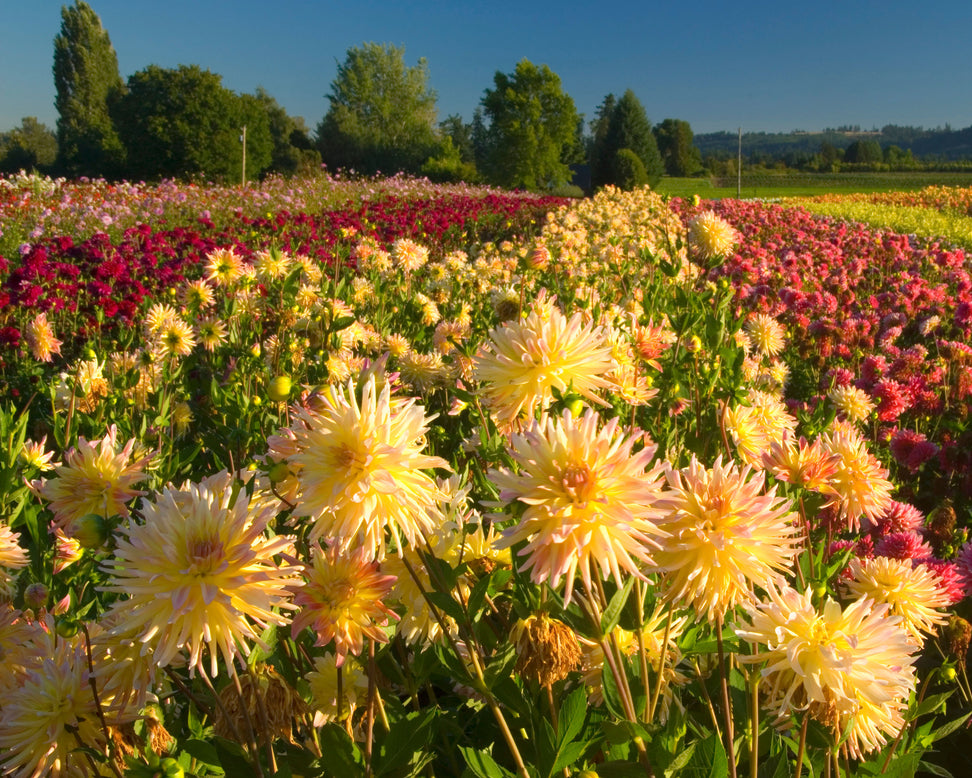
column 337, row 478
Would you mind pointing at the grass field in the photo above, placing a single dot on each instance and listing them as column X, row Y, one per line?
column 768, row 185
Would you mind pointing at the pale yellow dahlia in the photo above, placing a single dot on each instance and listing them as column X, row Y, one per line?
column 158, row 317
column 323, row 683
column 409, row 256
column 40, row 339
column 853, row 404
column 50, row 715
column 271, row 265
column 591, row 502
column 360, row 466
column 523, row 362
column 727, row 537
column 199, row 573
column 211, row 333
column 342, row 599
column 851, row 669
column 711, row 236
column 755, row 426
column 766, row 334
column 176, row 339
column 223, row 267
column 912, row 591
column 859, row 488
column 198, row 295
column 96, row 477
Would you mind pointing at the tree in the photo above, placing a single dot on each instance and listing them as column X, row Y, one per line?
column 678, row 151
column 382, row 114
column 31, row 146
column 532, row 136
column 462, row 136
column 600, row 162
column 865, row 152
column 628, row 128
column 87, row 81
column 629, row 171
column 292, row 149
column 185, row 123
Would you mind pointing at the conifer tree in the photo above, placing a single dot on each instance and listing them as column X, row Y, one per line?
column 87, row 81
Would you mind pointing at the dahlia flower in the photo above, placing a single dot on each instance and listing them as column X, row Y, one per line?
column 342, row 599
column 911, row 591
column 851, row 669
column 757, row 425
column 852, row 403
column 96, row 477
column 360, row 469
column 199, row 573
column 591, row 502
column 727, row 537
column 859, row 488
column 223, row 267
column 711, row 236
column 523, row 362
column 40, row 339
column 766, row 334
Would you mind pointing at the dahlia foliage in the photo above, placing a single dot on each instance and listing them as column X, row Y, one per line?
column 452, row 481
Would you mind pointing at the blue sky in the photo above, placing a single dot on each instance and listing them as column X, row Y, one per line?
column 764, row 66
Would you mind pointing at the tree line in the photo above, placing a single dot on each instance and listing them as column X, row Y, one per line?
column 381, row 118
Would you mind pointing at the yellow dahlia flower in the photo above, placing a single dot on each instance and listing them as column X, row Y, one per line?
column 912, row 592
column 223, row 267
column 859, row 487
column 342, row 600
column 523, row 362
column 360, row 469
column 49, row 714
column 323, row 682
column 766, row 334
column 755, row 426
column 199, row 573
column 96, row 477
column 727, row 537
column 851, row 669
column 711, row 236
column 854, row 404
column 591, row 502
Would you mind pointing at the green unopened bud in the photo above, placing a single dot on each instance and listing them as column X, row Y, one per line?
column 91, row 531
column 279, row 389
column 694, row 344
column 278, row 472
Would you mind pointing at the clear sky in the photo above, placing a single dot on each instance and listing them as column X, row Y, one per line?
column 765, row 66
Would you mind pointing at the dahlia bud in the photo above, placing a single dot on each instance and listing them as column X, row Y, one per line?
column 956, row 635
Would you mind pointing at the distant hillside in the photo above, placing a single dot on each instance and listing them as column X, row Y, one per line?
column 944, row 143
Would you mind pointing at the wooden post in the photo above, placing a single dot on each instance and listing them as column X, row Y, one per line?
column 738, row 167
column 243, row 141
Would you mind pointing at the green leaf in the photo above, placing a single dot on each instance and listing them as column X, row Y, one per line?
column 612, row 613
column 482, row 764
column 447, row 604
column 709, row 759
column 202, row 751
column 406, row 739
column 342, row 754
column 934, row 769
column 946, row 729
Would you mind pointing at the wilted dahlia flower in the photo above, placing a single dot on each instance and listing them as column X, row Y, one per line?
column 727, row 537
column 199, row 573
column 591, row 501
column 360, row 467
column 524, row 361
column 851, row 669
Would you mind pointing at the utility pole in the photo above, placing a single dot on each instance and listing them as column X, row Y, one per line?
column 738, row 167
column 243, row 141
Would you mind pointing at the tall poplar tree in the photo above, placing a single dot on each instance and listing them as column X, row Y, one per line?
column 87, row 80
